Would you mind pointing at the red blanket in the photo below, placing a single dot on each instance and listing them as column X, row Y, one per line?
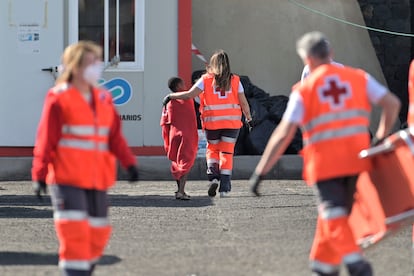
column 179, row 131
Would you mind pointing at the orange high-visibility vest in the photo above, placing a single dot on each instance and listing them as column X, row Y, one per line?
column 336, row 121
column 220, row 109
column 410, row 116
column 82, row 156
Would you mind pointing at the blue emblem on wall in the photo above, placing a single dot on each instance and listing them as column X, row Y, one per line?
column 120, row 89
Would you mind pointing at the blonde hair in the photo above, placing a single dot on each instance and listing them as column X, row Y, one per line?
column 73, row 56
column 219, row 66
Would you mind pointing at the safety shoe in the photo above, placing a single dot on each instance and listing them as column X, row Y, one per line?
column 213, row 187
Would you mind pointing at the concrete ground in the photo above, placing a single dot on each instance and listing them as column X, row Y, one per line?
column 154, row 234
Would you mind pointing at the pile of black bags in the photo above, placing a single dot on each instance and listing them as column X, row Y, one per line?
column 267, row 112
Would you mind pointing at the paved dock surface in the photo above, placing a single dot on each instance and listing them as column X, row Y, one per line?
column 155, row 234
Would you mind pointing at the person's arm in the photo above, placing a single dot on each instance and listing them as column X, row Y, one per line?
column 390, row 105
column 245, row 106
column 47, row 137
column 190, row 94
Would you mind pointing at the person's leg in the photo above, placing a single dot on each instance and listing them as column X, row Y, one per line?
column 227, row 143
column 72, row 229
column 335, row 201
column 99, row 227
column 181, row 194
column 355, row 267
column 213, row 159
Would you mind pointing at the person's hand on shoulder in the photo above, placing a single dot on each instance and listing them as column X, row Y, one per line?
column 166, row 100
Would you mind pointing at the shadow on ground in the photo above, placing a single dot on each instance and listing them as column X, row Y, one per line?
column 24, row 212
column 31, row 258
column 158, row 201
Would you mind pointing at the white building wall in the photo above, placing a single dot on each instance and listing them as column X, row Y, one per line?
column 160, row 62
column 24, row 85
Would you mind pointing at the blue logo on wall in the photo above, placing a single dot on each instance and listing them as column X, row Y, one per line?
column 120, row 89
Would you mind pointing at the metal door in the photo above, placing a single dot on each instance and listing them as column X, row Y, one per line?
column 32, row 35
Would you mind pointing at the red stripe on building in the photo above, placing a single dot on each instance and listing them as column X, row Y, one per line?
column 28, row 151
column 184, row 40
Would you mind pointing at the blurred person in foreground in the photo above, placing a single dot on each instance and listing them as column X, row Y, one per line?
column 78, row 140
column 332, row 106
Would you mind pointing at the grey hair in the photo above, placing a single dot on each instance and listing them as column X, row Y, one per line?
column 313, row 44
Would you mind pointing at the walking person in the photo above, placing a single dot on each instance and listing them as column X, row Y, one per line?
column 222, row 102
column 78, row 140
column 333, row 107
column 179, row 132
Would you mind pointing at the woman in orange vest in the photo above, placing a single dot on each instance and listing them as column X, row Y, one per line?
column 79, row 136
column 222, row 102
column 332, row 106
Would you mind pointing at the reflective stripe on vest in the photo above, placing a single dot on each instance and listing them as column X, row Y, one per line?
column 84, row 130
column 70, row 215
column 75, row 264
column 331, row 134
column 324, row 267
column 221, row 118
column 335, row 116
column 83, row 144
column 221, row 106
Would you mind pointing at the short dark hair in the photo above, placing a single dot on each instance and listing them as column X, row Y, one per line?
column 173, row 83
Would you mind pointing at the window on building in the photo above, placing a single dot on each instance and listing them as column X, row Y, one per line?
column 117, row 25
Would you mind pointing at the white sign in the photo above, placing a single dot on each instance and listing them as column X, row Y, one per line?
column 28, row 38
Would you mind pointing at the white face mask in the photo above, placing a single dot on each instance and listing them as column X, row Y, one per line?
column 93, row 73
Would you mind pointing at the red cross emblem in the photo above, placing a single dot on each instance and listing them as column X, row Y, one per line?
column 334, row 92
column 221, row 92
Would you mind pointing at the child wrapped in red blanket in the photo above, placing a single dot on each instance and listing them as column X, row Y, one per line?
column 179, row 131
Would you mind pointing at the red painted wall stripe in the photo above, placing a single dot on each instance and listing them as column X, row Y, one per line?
column 28, row 151
column 184, row 40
